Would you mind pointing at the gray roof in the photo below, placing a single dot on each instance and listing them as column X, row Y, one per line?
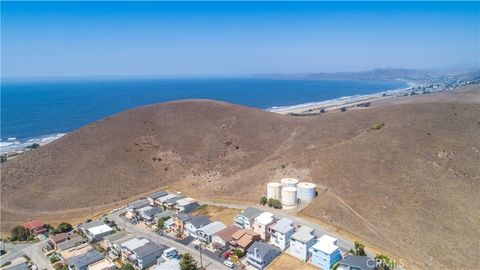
column 251, row 212
column 20, row 266
column 283, row 225
column 148, row 248
column 263, row 248
column 360, row 262
column 174, row 200
column 152, row 211
column 139, row 203
column 85, row 259
column 92, row 224
column 213, row 228
column 156, row 195
column 70, row 243
column 199, row 221
column 304, row 234
column 184, row 217
column 118, row 235
column 166, row 213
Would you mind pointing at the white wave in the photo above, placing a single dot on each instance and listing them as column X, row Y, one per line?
column 344, row 99
column 12, row 145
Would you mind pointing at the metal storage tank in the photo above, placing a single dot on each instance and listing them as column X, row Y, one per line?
column 274, row 190
column 306, row 191
column 289, row 196
column 289, row 182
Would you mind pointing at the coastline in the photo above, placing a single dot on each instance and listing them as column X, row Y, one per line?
column 12, row 147
column 347, row 101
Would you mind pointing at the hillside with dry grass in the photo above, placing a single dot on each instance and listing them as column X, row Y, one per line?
column 403, row 176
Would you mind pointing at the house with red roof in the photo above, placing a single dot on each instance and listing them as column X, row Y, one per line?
column 35, row 227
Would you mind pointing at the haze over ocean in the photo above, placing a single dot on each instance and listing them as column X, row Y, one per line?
column 35, row 109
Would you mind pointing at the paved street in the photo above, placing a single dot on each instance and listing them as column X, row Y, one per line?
column 34, row 251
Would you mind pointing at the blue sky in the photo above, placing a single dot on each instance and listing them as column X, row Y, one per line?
column 155, row 38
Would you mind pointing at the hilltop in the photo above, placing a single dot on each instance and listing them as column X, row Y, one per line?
column 409, row 186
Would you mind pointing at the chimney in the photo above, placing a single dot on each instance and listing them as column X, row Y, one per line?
column 255, row 251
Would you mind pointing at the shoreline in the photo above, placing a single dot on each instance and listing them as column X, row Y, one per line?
column 12, row 147
column 362, row 101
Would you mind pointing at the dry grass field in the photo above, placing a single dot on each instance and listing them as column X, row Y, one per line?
column 287, row 262
column 410, row 187
column 217, row 213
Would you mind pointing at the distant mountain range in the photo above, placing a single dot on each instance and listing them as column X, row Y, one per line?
column 375, row 74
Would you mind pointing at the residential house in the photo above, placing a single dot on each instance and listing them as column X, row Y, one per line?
column 57, row 239
column 206, row 232
column 194, row 224
column 113, row 242
column 186, row 205
column 82, row 261
column 169, row 224
column 148, row 212
column 244, row 219
column 164, row 214
column 262, row 224
column 243, row 239
column 222, row 238
column 75, row 251
column 141, row 252
column 325, row 252
column 357, row 263
column 73, row 241
column 260, row 254
column 163, row 264
column 35, row 227
column 170, row 203
column 301, row 242
column 179, row 221
column 133, row 207
column 138, row 204
column 281, row 232
column 155, row 195
column 104, row 264
column 18, row 263
column 163, row 199
column 96, row 230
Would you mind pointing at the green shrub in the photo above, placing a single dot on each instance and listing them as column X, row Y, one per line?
column 19, row 233
column 377, row 126
column 263, row 200
column 53, row 259
column 238, row 253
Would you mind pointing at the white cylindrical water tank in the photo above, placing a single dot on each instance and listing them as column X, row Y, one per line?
column 289, row 196
column 274, row 190
column 306, row 191
column 289, row 182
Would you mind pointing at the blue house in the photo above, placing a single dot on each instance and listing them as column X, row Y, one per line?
column 260, row 254
column 325, row 252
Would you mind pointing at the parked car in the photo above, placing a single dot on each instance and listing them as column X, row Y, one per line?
column 227, row 254
column 229, row 264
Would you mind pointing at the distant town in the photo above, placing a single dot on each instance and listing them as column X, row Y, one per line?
column 170, row 231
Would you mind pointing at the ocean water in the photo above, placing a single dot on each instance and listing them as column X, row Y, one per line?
column 36, row 111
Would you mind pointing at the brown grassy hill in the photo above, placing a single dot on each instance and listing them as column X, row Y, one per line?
column 410, row 188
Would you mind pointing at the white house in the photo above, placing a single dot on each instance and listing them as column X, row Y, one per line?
column 206, row 233
column 96, row 230
column 195, row 223
column 300, row 242
column 245, row 219
column 281, row 232
column 325, row 252
column 186, row 205
column 261, row 224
